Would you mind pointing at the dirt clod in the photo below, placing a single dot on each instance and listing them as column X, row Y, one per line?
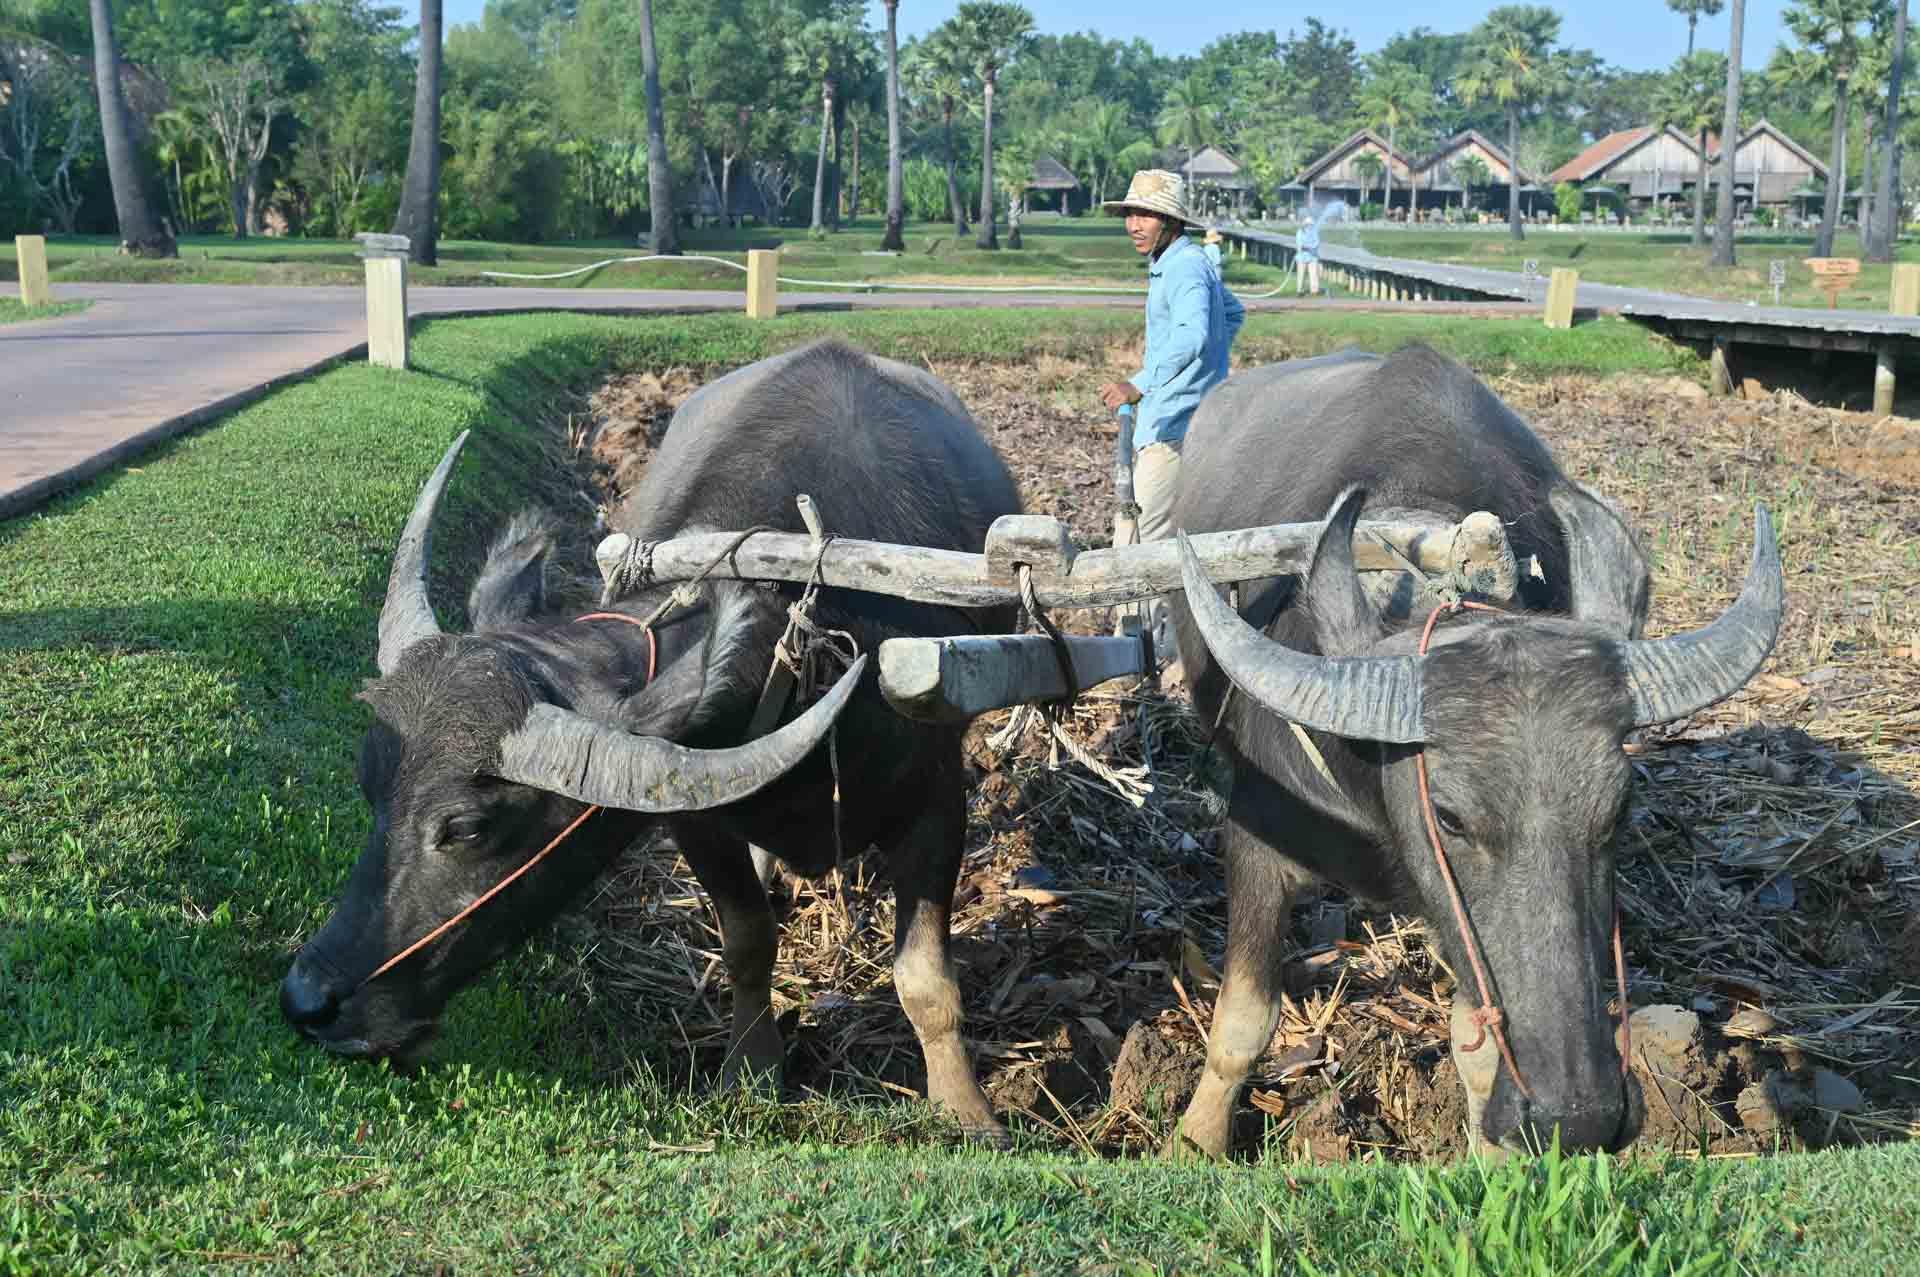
column 1151, row 1077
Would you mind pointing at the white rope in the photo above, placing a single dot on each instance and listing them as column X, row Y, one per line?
column 861, row 285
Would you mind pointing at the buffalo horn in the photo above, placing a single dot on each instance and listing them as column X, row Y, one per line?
column 568, row 753
column 1673, row 677
column 407, row 615
column 1360, row 697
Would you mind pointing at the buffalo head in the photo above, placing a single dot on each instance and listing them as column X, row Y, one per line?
column 1521, row 719
column 484, row 748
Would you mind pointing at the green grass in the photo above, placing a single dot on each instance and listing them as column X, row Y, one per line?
column 13, row 311
column 179, row 646
column 1659, row 260
column 1084, row 251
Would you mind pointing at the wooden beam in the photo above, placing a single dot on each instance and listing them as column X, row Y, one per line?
column 387, row 312
column 31, row 253
column 1720, row 376
column 1906, row 288
column 1089, row 578
column 1883, row 381
column 955, row 680
column 763, row 286
column 1562, row 287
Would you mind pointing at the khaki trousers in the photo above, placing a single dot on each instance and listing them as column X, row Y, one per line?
column 1156, row 477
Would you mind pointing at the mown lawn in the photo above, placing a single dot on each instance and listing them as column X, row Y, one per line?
column 179, row 646
column 1081, row 251
column 1662, row 260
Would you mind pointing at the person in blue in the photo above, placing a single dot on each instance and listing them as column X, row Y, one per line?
column 1191, row 322
column 1306, row 259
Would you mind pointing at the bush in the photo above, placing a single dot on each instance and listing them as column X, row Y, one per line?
column 1566, row 199
column 1370, row 211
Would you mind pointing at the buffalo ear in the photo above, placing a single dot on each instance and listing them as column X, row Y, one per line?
column 1344, row 623
column 1607, row 575
column 513, row 583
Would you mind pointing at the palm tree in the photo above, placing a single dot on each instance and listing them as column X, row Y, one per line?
column 1396, row 94
column 416, row 217
column 1886, row 202
column 1730, row 139
column 1829, row 36
column 1473, row 175
column 141, row 234
column 1691, row 99
column 1694, row 9
column 936, row 69
column 1515, row 64
column 1104, row 134
column 822, row 51
column 894, row 240
column 663, row 228
column 1187, row 120
column 992, row 33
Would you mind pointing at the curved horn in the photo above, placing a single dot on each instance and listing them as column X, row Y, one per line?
column 1359, row 697
column 407, row 615
column 1673, row 677
column 568, row 753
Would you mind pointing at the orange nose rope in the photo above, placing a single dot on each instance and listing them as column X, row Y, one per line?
column 1488, row 1016
column 653, row 655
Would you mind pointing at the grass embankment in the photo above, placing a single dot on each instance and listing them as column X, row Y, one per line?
column 13, row 311
column 1664, row 261
column 1084, row 252
column 179, row 647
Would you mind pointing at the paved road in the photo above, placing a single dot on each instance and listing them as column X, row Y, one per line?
column 84, row 392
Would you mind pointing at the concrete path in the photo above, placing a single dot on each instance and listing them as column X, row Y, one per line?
column 84, row 392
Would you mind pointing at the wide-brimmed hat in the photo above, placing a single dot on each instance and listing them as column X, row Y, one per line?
column 1154, row 190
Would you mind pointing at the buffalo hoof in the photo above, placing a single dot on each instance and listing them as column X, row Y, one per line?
column 1182, row 1147
column 757, row 1058
column 989, row 1135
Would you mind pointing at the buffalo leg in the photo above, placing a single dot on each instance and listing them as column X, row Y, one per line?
column 1260, row 886
column 748, row 941
column 926, row 864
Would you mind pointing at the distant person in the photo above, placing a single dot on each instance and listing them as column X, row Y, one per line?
column 1210, row 245
column 1306, row 255
column 1191, row 322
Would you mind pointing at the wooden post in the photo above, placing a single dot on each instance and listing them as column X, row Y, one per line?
column 386, row 257
column 763, row 289
column 1883, row 379
column 1721, row 378
column 1906, row 288
column 1561, row 290
column 31, row 253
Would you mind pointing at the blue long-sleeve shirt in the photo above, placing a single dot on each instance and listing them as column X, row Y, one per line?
column 1191, row 322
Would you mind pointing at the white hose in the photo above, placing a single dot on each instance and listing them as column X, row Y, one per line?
column 858, row 285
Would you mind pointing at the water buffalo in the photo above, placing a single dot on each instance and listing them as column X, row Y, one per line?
column 486, row 746
column 1521, row 717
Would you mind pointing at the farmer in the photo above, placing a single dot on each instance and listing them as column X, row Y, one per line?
column 1191, row 322
column 1306, row 260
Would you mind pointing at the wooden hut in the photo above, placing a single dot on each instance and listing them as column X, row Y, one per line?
column 1050, row 174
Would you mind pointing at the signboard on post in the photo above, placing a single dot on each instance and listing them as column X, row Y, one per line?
column 1777, row 276
column 1833, row 274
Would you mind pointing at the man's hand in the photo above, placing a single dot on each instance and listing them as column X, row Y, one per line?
column 1116, row 393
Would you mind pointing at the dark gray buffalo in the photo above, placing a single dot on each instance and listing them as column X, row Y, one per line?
column 1521, row 717
column 486, row 746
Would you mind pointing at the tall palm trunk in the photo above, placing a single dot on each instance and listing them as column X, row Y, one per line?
column 1386, row 201
column 1730, row 143
column 820, row 158
column 1887, row 205
column 954, row 201
column 1836, row 165
column 1700, row 195
column 1513, row 172
column 989, row 236
column 417, row 216
column 1693, row 20
column 140, row 233
column 665, row 229
column 836, row 169
column 894, row 240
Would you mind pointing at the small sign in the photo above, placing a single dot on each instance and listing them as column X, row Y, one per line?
column 1777, row 276
column 1833, row 274
column 1531, row 268
column 373, row 245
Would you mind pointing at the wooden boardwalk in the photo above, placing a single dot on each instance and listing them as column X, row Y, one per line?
column 1724, row 324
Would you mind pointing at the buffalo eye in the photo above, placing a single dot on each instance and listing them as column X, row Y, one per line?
column 1449, row 821
column 462, row 830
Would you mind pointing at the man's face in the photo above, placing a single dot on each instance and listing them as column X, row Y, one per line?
column 1145, row 229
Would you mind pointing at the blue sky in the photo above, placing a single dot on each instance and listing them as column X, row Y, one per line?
column 1641, row 35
